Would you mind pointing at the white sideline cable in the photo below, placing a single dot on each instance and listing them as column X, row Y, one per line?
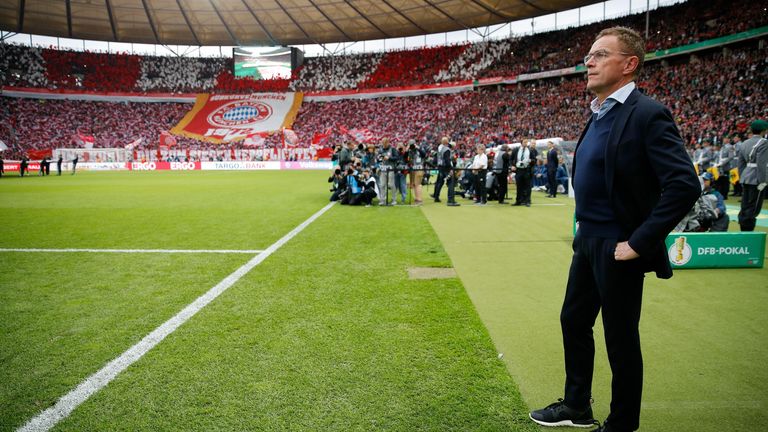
column 64, row 406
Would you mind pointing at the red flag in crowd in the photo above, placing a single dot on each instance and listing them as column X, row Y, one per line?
column 290, row 138
column 39, row 154
column 361, row 135
column 255, row 139
column 166, row 139
column 320, row 138
column 324, row 153
column 83, row 140
column 134, row 144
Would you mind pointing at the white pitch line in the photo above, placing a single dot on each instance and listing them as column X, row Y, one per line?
column 221, row 251
column 64, row 406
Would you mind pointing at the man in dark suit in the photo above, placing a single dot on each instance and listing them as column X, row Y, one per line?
column 23, row 166
column 551, row 170
column 629, row 152
column 523, row 159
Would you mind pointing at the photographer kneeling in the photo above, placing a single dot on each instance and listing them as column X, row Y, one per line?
column 338, row 184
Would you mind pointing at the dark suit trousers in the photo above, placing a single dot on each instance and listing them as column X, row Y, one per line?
column 501, row 179
column 552, row 181
column 523, row 181
column 596, row 281
column 439, row 183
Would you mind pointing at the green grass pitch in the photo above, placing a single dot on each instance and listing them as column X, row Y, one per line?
column 328, row 333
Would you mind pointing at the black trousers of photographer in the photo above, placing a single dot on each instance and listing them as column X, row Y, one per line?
column 523, row 179
column 445, row 175
column 480, row 191
column 501, row 181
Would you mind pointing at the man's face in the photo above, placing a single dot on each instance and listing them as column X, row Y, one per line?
column 607, row 67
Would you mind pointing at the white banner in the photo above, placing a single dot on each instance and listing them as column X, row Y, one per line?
column 240, row 165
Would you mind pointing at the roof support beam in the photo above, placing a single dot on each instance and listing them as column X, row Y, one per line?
column 151, row 23
column 226, row 27
column 365, row 17
column 20, row 24
column 533, row 5
column 331, row 21
column 111, row 20
column 447, row 15
column 261, row 24
column 285, row 11
column 491, row 11
column 69, row 18
column 189, row 24
column 4, row 36
column 397, row 11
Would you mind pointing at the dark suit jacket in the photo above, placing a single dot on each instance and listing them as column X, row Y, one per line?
column 532, row 153
column 552, row 160
column 650, row 178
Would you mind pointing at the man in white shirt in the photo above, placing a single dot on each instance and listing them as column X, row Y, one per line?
column 480, row 169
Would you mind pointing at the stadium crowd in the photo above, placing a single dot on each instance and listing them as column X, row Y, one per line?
column 681, row 24
column 712, row 96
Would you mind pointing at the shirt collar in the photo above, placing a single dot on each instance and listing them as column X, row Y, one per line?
column 619, row 95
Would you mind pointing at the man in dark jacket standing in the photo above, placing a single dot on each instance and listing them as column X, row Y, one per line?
column 523, row 160
column 551, row 170
column 629, row 152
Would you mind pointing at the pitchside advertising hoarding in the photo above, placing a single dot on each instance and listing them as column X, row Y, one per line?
column 163, row 166
column 716, row 250
column 34, row 167
column 713, row 249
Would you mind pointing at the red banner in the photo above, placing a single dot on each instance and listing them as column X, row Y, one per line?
column 227, row 118
column 163, row 166
column 39, row 154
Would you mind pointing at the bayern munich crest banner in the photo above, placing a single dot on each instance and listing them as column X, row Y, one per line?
column 224, row 118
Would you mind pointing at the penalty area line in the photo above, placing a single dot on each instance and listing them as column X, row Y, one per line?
column 169, row 251
column 48, row 418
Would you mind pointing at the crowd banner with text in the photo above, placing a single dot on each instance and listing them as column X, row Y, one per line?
column 716, row 250
column 225, row 118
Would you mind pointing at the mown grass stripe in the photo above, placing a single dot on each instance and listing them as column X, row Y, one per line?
column 69, row 402
column 170, row 251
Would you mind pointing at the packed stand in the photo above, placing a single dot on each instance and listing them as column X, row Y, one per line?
column 22, row 66
column 474, row 59
column 335, row 72
column 713, row 96
column 682, row 24
column 180, row 74
column 409, row 67
column 677, row 25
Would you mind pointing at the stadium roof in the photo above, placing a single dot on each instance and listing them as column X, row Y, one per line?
column 262, row 22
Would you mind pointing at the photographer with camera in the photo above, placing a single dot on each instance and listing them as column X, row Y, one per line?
column 388, row 159
column 338, row 184
column 415, row 162
column 370, row 188
column 501, row 171
column 351, row 194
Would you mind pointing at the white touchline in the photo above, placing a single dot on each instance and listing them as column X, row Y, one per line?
column 64, row 406
column 170, row 251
